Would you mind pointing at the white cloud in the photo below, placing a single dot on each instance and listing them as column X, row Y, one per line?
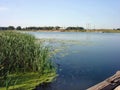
column 3, row 8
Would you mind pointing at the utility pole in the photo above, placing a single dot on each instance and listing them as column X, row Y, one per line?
column 94, row 26
column 88, row 26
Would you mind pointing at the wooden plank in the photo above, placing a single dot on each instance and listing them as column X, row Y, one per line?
column 108, row 84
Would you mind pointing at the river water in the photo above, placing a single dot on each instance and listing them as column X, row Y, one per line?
column 85, row 59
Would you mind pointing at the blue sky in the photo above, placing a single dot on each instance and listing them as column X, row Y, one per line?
column 98, row 13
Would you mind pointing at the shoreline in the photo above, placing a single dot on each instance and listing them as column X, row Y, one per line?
column 97, row 31
column 63, row 30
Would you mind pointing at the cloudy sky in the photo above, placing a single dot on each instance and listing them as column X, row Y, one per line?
column 98, row 13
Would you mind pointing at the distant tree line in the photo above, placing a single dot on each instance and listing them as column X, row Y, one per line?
column 40, row 28
column 74, row 28
column 44, row 28
column 7, row 28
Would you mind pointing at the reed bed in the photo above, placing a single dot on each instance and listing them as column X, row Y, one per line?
column 19, row 54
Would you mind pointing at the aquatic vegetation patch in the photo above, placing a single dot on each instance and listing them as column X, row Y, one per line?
column 61, row 47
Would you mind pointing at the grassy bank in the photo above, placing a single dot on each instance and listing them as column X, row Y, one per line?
column 24, row 63
column 104, row 31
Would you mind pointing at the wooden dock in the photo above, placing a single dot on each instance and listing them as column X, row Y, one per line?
column 109, row 84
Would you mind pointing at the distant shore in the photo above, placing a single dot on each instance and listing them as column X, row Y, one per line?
column 64, row 30
column 95, row 30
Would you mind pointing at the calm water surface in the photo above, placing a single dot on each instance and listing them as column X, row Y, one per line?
column 92, row 59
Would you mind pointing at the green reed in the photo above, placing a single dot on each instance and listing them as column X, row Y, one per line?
column 20, row 53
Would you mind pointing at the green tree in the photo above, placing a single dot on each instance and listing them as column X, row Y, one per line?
column 57, row 27
column 18, row 28
column 118, row 28
column 11, row 27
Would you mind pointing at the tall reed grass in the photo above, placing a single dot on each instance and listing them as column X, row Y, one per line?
column 20, row 53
